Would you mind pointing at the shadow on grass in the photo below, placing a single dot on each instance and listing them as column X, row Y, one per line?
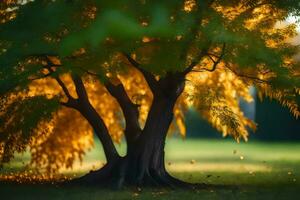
column 48, row 192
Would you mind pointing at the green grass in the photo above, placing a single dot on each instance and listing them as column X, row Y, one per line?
column 252, row 170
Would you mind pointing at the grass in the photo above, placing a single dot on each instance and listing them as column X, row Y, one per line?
column 252, row 170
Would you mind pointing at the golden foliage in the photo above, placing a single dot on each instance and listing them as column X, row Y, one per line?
column 282, row 96
column 189, row 5
column 216, row 96
column 61, row 142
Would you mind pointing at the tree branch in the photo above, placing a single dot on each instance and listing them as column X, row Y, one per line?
column 41, row 77
column 83, row 105
column 203, row 53
column 216, row 62
column 246, row 76
column 129, row 109
column 64, row 88
column 71, row 103
column 194, row 63
column 152, row 82
column 49, row 66
column 218, row 59
column 56, row 77
column 80, row 88
column 89, row 72
column 91, row 115
column 251, row 8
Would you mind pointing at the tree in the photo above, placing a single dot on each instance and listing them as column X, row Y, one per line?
column 71, row 69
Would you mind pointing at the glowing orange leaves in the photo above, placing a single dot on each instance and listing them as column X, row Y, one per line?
column 189, row 5
column 216, row 96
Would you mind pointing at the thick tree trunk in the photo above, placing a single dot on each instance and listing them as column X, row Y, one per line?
column 144, row 163
column 150, row 146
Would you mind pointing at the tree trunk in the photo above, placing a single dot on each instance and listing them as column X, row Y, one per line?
column 150, row 146
column 144, row 164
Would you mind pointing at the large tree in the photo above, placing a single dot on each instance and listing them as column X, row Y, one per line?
column 71, row 69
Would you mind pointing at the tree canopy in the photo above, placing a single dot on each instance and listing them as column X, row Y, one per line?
column 220, row 48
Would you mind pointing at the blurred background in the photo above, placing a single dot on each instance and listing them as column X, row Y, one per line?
column 275, row 122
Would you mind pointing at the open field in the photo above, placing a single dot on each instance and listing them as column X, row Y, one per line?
column 252, row 170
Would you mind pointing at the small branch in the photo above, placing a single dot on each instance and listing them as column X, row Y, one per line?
column 211, row 58
column 216, row 62
column 237, row 74
column 194, row 63
column 41, row 77
column 89, row 72
column 56, row 77
column 251, row 8
column 189, row 68
column 265, row 72
column 49, row 66
column 246, row 76
column 204, row 70
column 219, row 58
column 147, row 75
column 212, row 54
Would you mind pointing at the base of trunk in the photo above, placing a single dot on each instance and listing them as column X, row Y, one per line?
column 118, row 175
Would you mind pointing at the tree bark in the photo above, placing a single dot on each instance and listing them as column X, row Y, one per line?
column 83, row 105
column 150, row 145
column 130, row 112
column 91, row 115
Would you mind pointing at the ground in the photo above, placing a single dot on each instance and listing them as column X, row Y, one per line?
column 252, row 170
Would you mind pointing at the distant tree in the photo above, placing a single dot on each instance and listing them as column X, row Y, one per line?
column 71, row 69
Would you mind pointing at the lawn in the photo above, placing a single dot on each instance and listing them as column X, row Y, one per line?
column 252, row 170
